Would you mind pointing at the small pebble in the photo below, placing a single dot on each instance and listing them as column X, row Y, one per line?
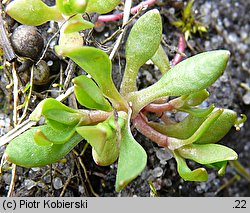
column 47, row 179
column 29, row 184
column 163, row 155
column 27, row 41
column 246, row 98
column 157, row 172
column 57, row 183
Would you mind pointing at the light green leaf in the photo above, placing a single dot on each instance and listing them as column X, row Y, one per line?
column 89, row 95
column 207, row 153
column 198, row 112
column 71, row 7
column 54, row 110
column 199, row 174
column 98, row 65
column 191, row 75
column 96, row 135
column 197, row 98
column 101, row 6
column 23, row 150
column 109, row 154
column 160, row 59
column 53, row 136
column 70, row 40
column 77, row 23
column 182, row 130
column 132, row 159
column 220, row 166
column 143, row 41
column 32, row 12
column 177, row 143
column 219, row 128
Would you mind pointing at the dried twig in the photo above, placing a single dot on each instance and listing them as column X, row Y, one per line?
column 85, row 173
column 4, row 40
column 15, row 93
column 13, row 179
column 128, row 4
column 29, row 96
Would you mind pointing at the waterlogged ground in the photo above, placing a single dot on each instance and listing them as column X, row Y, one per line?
column 228, row 29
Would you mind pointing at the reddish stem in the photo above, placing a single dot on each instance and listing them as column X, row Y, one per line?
column 142, row 126
column 181, row 48
column 118, row 16
column 159, row 107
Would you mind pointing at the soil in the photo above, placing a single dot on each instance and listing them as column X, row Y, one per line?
column 228, row 29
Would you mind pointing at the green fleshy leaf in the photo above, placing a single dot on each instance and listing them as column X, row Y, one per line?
column 71, row 7
column 219, row 128
column 77, row 23
column 197, row 98
column 220, row 166
column 41, row 140
column 132, row 159
column 54, row 136
column 32, row 12
column 70, row 40
column 89, row 95
column 101, row 6
column 160, row 59
column 143, row 41
column 182, row 130
column 198, row 112
column 54, row 110
column 98, row 65
column 96, row 135
column 109, row 154
column 23, row 150
column 199, row 174
column 177, row 143
column 191, row 75
column 207, row 153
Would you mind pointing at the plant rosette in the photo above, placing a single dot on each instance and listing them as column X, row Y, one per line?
column 105, row 123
